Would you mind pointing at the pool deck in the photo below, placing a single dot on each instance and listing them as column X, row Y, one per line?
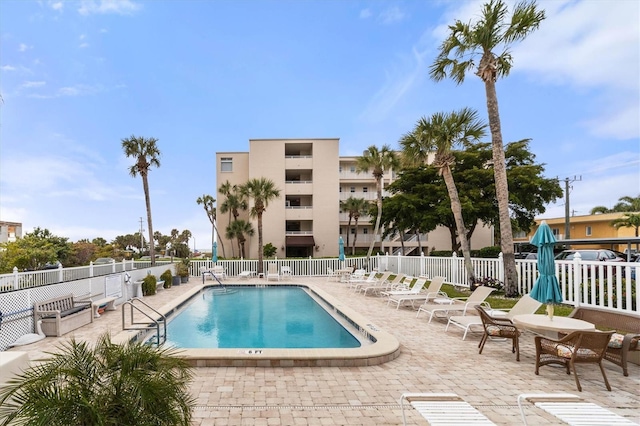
column 430, row 361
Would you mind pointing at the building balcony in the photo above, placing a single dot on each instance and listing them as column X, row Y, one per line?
column 298, row 187
column 299, row 213
column 297, row 162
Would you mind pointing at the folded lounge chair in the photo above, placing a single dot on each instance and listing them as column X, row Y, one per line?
column 443, row 409
column 526, row 305
column 457, row 304
column 571, row 409
column 429, row 293
column 272, row 272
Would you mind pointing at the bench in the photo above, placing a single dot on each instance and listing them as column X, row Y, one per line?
column 62, row 314
column 107, row 302
column 626, row 338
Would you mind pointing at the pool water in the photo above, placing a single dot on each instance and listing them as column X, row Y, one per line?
column 250, row 317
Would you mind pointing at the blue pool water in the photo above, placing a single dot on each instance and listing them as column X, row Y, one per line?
column 249, row 317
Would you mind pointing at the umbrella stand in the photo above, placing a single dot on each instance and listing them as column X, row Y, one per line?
column 550, row 311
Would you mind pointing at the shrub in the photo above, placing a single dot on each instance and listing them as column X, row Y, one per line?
column 166, row 277
column 149, row 285
column 491, row 252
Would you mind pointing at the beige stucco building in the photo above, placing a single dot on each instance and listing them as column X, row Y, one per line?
column 306, row 219
column 10, row 231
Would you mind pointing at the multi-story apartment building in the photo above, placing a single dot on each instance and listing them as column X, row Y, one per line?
column 306, row 220
column 10, row 231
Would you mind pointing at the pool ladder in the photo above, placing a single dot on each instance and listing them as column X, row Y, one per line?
column 154, row 321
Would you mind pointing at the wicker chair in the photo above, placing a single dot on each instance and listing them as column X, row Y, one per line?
column 578, row 347
column 500, row 328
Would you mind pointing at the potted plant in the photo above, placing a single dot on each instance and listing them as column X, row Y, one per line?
column 167, row 277
column 182, row 269
column 149, row 285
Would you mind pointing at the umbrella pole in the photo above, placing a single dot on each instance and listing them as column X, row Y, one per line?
column 550, row 311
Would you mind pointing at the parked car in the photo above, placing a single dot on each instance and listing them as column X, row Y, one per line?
column 633, row 268
column 104, row 261
column 599, row 254
column 532, row 256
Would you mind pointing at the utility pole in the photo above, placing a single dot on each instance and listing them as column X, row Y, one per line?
column 567, row 209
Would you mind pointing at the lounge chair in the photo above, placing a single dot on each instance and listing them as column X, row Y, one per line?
column 272, row 272
column 457, row 304
column 526, row 305
column 379, row 284
column 356, row 277
column 219, row 272
column 371, row 279
column 443, row 408
column 429, row 293
column 416, row 289
column 571, row 409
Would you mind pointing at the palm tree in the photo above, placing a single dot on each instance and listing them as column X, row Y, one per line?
column 234, row 202
column 209, row 204
column 624, row 204
column 466, row 43
column 105, row 384
column 377, row 161
column 146, row 154
column 353, row 206
column 360, row 207
column 440, row 133
column 238, row 229
column 628, row 220
column 261, row 190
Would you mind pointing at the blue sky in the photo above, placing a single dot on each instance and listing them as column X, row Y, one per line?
column 206, row 76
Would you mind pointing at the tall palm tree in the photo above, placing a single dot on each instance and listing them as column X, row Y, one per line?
column 624, row 204
column 352, row 206
column 238, row 229
column 377, row 161
column 105, row 384
column 262, row 191
column 360, row 207
column 209, row 204
column 146, row 154
column 234, row 201
column 629, row 220
column 466, row 43
column 441, row 133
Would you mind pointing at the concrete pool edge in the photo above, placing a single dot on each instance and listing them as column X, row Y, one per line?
column 383, row 348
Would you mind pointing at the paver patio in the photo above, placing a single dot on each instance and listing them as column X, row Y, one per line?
column 431, row 361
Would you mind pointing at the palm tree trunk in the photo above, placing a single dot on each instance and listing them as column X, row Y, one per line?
column 221, row 243
column 377, row 226
column 502, row 191
column 355, row 237
column 147, row 200
column 457, row 214
column 260, row 268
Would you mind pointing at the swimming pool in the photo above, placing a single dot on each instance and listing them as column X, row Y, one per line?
column 381, row 346
column 257, row 318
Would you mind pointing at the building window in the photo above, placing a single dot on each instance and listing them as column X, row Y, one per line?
column 353, row 231
column 340, row 169
column 226, row 164
column 353, row 189
column 340, row 189
column 365, row 189
column 556, row 232
column 365, row 231
column 352, row 169
column 588, row 231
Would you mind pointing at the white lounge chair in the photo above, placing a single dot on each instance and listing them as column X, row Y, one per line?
column 526, row 305
column 431, row 292
column 416, row 289
column 219, row 272
column 356, row 277
column 380, row 284
column 443, row 409
column 457, row 304
column 272, row 272
column 571, row 409
column 371, row 279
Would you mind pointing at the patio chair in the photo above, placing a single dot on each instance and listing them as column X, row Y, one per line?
column 495, row 327
column 272, row 272
column 378, row 285
column 526, row 305
column 578, row 347
column 444, row 307
column 443, row 408
column 356, row 276
column 285, row 272
column 431, row 292
column 371, row 279
column 416, row 289
column 332, row 275
column 571, row 409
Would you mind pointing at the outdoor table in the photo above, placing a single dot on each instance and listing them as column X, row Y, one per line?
column 551, row 327
column 344, row 273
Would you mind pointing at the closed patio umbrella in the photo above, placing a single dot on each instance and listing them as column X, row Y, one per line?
column 214, row 252
column 341, row 250
column 546, row 288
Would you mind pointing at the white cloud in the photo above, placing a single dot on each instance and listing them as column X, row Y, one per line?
column 56, row 5
column 120, row 7
column 23, row 47
column 391, row 15
column 83, row 45
column 32, row 84
column 7, row 68
column 365, row 13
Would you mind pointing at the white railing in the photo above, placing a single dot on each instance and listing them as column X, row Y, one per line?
column 611, row 285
